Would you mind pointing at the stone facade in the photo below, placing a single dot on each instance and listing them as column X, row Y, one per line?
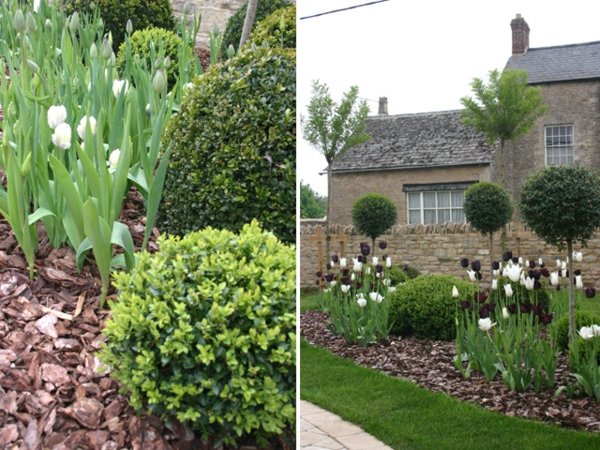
column 347, row 187
column 435, row 248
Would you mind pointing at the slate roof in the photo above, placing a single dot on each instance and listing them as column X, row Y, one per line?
column 410, row 141
column 560, row 63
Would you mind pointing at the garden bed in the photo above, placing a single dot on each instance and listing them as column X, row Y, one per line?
column 429, row 364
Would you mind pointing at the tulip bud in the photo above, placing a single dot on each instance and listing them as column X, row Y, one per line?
column 508, row 291
column 106, row 49
column 455, row 293
column 33, row 66
column 494, row 284
column 19, row 21
column 167, row 61
column 74, row 22
column 159, row 82
column 62, row 136
column 505, row 313
column 93, row 51
column 148, row 110
column 129, row 27
column 26, row 165
column 48, row 23
column 30, row 24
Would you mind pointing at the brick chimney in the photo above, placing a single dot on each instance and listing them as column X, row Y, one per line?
column 520, row 35
column 383, row 110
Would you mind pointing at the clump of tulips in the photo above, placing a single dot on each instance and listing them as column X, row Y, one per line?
column 354, row 294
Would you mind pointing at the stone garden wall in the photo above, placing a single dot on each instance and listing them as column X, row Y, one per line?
column 435, row 248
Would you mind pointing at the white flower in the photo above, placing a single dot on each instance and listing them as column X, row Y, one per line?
column 345, row 288
column 119, row 86
column 486, row 324
column 508, row 290
column 83, row 123
column 388, row 261
column 586, row 333
column 578, row 282
column 36, row 5
column 496, row 273
column 387, row 282
column 563, row 265
column 392, row 289
column 596, row 330
column 494, row 284
column 375, row 260
column 505, row 313
column 563, row 273
column 541, row 262
column 376, row 297
column 513, row 272
column 529, row 283
column 455, row 293
column 62, row 136
column 352, row 277
column 343, row 263
column 368, row 271
column 554, row 280
column 326, row 290
column 113, row 159
column 362, row 302
column 332, row 283
column 357, row 266
column 472, row 275
column 332, row 264
column 520, row 260
column 57, row 114
column 558, row 263
column 577, row 256
column 378, row 275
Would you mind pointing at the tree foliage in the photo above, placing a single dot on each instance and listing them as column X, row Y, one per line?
column 487, row 207
column 312, row 205
column 372, row 214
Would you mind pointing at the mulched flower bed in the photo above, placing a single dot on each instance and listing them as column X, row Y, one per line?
column 429, row 364
column 51, row 394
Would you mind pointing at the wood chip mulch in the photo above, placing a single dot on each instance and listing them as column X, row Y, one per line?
column 428, row 363
column 52, row 395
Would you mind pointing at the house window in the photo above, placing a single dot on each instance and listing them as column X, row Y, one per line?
column 559, row 145
column 442, row 206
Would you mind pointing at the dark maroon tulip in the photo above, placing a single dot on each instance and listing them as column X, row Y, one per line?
column 532, row 264
column 464, row 262
column 382, row 245
column 512, row 308
column 465, row 304
column 484, row 312
column 495, row 265
column 525, row 308
column 476, row 265
column 545, row 272
column 590, row 292
column 577, row 272
column 379, row 268
column 319, row 274
column 362, row 259
column 492, row 305
column 365, row 249
column 558, row 287
column 329, row 277
column 547, row 318
column 537, row 284
column 481, row 297
column 346, row 272
column 335, row 258
column 507, row 255
column 317, row 282
column 543, row 264
column 328, row 266
column 515, row 260
column 536, row 309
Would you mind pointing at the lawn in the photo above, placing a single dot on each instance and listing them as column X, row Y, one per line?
column 406, row 416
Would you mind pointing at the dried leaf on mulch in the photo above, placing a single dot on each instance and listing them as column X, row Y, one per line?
column 429, row 364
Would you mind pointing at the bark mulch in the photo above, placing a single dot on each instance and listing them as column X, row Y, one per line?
column 428, row 363
column 52, row 393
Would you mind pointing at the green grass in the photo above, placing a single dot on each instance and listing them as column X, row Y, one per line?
column 405, row 416
column 309, row 301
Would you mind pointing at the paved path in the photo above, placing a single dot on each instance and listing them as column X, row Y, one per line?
column 322, row 430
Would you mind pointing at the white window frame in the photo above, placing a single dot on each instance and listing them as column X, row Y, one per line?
column 422, row 209
column 567, row 148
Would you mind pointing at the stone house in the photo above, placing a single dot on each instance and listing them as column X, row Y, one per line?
column 424, row 162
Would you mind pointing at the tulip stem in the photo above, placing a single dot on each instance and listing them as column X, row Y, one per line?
column 571, row 293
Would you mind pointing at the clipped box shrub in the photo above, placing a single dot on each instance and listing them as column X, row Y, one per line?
column 278, row 29
column 560, row 328
column 140, row 45
column 397, row 275
column 235, row 24
column 423, row 307
column 234, row 148
column 204, row 331
column 115, row 13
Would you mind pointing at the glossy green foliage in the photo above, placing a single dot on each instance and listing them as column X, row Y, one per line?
column 204, row 331
column 116, row 13
column 278, row 29
column 487, row 207
column 423, row 307
column 234, row 148
column 235, row 24
column 372, row 214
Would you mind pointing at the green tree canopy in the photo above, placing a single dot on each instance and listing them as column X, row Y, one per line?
column 372, row 214
column 312, row 205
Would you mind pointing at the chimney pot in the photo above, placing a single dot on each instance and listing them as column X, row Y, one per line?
column 383, row 106
column 520, row 35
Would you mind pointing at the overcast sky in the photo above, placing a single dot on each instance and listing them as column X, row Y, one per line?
column 420, row 54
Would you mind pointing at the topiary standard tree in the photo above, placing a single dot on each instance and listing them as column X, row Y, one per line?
column 372, row 214
column 487, row 208
column 562, row 206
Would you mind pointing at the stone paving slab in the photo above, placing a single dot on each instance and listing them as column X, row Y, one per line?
column 322, row 430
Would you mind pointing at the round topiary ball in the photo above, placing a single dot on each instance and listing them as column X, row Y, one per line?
column 487, row 207
column 372, row 214
column 235, row 24
column 234, row 148
column 204, row 331
column 140, row 43
column 423, row 307
column 278, row 29
column 115, row 13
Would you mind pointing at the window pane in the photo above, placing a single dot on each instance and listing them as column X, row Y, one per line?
column 414, row 217
column 414, row 200
column 429, row 216
column 458, row 198
column 428, row 199
column 443, row 199
column 443, row 215
column 458, row 216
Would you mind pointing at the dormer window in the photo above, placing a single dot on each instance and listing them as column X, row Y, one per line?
column 559, row 145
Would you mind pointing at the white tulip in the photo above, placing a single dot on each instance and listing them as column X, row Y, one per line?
column 376, row 297
column 529, row 283
column 577, row 256
column 352, row 276
column 387, row 282
column 520, row 260
column 62, row 136
column 486, row 324
column 83, row 123
column 508, row 290
column 554, row 280
column 119, row 86
column 57, row 114
column 343, row 263
column 368, row 271
column 578, row 282
column 345, row 288
column 586, row 333
column 375, row 260
column 388, row 261
column 332, row 283
column 541, row 262
column 455, row 293
column 36, row 5
column 392, row 289
column 472, row 275
column 563, row 273
column 505, row 313
column 113, row 159
column 558, row 263
column 362, row 302
column 494, row 284
column 513, row 272
column 357, row 266
column 563, row 265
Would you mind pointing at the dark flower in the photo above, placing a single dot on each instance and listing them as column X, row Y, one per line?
column 507, row 255
column 532, row 263
column 465, row 304
column 359, row 285
column 481, row 297
column 329, row 266
column 329, row 277
column 545, row 272
column 558, row 287
column 515, row 260
column 317, row 282
column 543, row 264
column 346, row 272
column 512, row 308
column 577, row 272
column 319, row 274
column 476, row 265
column 379, row 268
column 335, row 258
column 495, row 265
column 464, row 262
column 537, row 284
column 484, row 312
column 547, row 318
column 346, row 280
column 362, row 259
column 590, row 292
column 478, row 275
column 382, row 245
column 525, row 308
column 365, row 249
column 536, row 309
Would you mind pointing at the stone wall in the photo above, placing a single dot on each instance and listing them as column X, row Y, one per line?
column 435, row 248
